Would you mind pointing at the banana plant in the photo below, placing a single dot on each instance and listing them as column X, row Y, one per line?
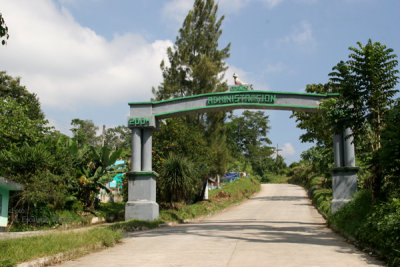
column 97, row 172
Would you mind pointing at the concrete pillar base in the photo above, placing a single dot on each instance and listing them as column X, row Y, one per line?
column 344, row 186
column 143, row 210
column 141, row 203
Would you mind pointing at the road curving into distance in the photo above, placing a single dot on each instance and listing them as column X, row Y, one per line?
column 276, row 227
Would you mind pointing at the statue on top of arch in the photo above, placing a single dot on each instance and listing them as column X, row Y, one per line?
column 240, row 84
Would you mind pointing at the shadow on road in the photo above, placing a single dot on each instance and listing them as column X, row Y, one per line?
column 258, row 231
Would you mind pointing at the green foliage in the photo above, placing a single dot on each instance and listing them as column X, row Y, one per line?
column 93, row 175
column 46, row 183
column 58, row 173
column 84, row 132
column 322, row 197
column 196, row 66
column 113, row 211
column 373, row 224
column 273, row 178
column 179, row 179
column 317, row 126
column 248, row 135
column 321, row 159
column 389, row 154
column 248, row 131
column 118, row 138
column 10, row 87
column 178, row 137
column 366, row 83
column 22, row 120
column 16, row 128
column 3, row 30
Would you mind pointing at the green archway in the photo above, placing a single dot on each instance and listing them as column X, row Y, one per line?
column 144, row 118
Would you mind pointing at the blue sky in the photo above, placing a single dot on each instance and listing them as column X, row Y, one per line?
column 88, row 58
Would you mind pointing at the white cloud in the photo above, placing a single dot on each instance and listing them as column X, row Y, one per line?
column 272, row 3
column 69, row 65
column 288, row 150
column 232, row 6
column 177, row 9
column 301, row 36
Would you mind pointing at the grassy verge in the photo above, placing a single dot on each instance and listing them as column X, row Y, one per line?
column 18, row 250
column 27, row 248
column 271, row 178
column 218, row 199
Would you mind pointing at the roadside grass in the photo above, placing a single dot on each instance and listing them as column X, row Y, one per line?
column 271, row 178
column 18, row 250
column 218, row 199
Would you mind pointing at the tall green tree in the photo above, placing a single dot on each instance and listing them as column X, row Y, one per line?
column 248, row 131
column 196, row 64
column 16, row 128
column 390, row 152
column 249, row 141
column 366, row 83
column 85, row 132
column 11, row 87
column 21, row 120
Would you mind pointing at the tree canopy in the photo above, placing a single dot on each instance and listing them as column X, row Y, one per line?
column 366, row 82
column 11, row 87
column 85, row 132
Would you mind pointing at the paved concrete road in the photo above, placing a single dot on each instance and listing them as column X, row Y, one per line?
column 277, row 227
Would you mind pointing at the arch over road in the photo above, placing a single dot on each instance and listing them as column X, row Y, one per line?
column 144, row 118
column 227, row 101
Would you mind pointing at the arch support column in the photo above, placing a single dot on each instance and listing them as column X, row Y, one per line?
column 344, row 173
column 141, row 204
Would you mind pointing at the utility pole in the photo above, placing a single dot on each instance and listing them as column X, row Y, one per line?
column 103, row 136
column 277, row 150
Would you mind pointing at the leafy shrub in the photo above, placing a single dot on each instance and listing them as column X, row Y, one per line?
column 179, row 179
column 382, row 229
column 374, row 224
